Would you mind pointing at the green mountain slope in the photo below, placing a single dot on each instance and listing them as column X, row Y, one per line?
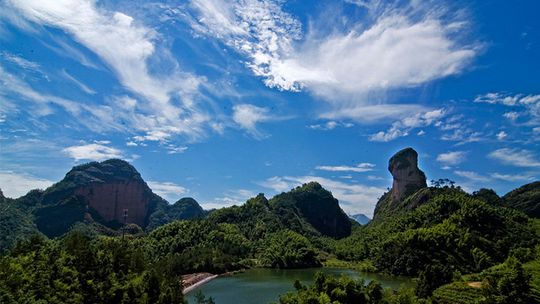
column 525, row 198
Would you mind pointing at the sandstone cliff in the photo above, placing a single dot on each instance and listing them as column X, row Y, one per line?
column 407, row 177
column 107, row 188
column 97, row 193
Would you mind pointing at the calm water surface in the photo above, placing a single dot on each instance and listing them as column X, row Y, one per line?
column 261, row 286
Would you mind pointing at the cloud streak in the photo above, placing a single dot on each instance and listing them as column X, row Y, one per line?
column 362, row 167
column 515, row 157
column 168, row 190
column 95, row 151
column 15, row 184
column 126, row 46
column 400, row 47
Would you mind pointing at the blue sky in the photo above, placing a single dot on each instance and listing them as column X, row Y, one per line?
column 221, row 100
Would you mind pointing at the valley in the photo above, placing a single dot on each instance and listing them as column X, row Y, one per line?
column 71, row 243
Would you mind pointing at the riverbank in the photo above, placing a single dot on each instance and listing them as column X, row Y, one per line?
column 193, row 280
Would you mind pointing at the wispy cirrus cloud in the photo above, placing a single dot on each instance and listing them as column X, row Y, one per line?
column 127, row 46
column 528, row 105
column 96, row 151
column 229, row 198
column 362, row 167
column 168, row 190
column 515, row 157
column 248, row 116
column 451, row 158
column 512, row 177
column 16, row 184
column 473, row 176
column 330, row 125
column 403, row 127
column 402, row 46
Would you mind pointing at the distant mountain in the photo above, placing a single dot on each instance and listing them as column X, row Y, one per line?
column 184, row 209
column 525, row 198
column 360, row 218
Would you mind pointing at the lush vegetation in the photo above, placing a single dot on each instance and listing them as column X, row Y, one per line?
column 459, row 247
column 81, row 269
column 525, row 198
column 469, row 234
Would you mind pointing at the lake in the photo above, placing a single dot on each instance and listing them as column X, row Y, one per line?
column 260, row 286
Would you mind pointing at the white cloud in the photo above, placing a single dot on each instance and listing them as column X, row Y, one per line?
column 508, row 100
column 168, row 190
column 501, row 135
column 372, row 113
column 126, row 46
column 515, row 157
column 330, row 125
column 451, row 158
column 21, row 62
column 175, row 150
column 529, row 103
column 248, row 116
column 94, row 151
column 473, row 176
column 402, row 47
column 405, row 126
column 512, row 177
column 15, row 185
column 463, row 135
column 95, row 117
column 511, row 115
column 230, row 198
column 81, row 85
column 362, row 167
column 354, row 198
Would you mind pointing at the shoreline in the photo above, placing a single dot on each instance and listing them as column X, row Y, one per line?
column 196, row 280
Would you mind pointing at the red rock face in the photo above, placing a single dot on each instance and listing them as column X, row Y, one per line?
column 110, row 199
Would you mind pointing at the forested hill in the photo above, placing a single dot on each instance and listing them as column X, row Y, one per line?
column 463, row 248
column 440, row 233
column 97, row 194
column 100, row 194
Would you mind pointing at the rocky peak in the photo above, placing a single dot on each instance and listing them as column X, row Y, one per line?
column 107, row 188
column 406, row 175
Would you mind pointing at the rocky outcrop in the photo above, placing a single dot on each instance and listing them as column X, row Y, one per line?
column 407, row 177
column 107, row 189
column 110, row 200
column 96, row 192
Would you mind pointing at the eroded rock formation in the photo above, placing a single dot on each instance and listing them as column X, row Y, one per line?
column 406, row 175
column 110, row 199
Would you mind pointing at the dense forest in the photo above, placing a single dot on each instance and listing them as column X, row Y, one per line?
column 457, row 247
